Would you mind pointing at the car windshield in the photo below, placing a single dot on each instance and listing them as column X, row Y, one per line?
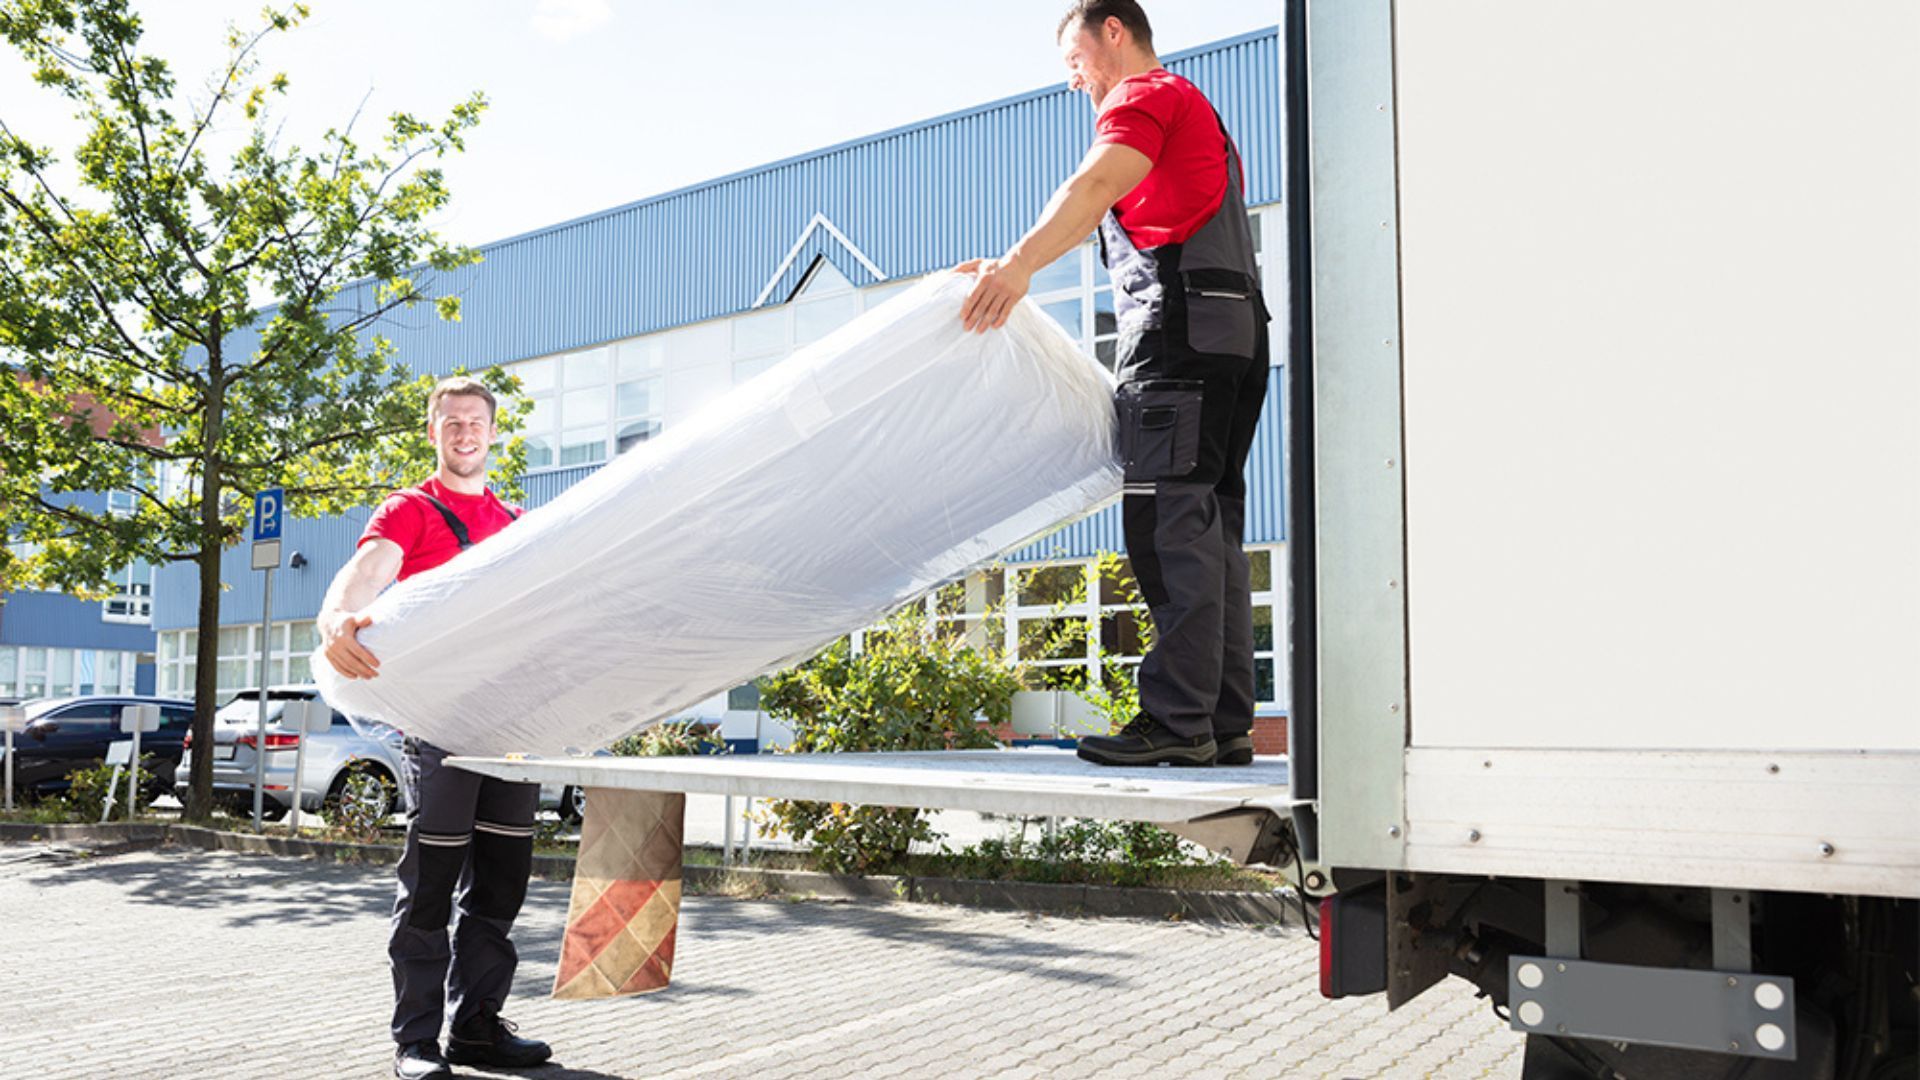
column 43, row 706
column 246, row 706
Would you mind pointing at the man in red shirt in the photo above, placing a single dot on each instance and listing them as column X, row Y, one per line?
column 1164, row 184
column 469, row 837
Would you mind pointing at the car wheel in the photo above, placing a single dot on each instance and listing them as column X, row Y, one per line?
column 573, row 805
column 364, row 792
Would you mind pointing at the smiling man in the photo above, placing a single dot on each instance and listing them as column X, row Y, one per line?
column 469, row 838
column 1164, row 185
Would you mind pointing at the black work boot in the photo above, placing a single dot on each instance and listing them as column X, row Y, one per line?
column 1234, row 749
column 420, row 1061
column 1147, row 742
column 489, row 1040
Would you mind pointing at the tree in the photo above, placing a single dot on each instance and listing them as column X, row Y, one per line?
column 129, row 312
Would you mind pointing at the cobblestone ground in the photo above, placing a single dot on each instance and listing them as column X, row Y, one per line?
column 201, row 964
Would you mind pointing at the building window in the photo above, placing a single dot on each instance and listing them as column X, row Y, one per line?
column 292, row 644
column 31, row 671
column 1072, row 621
column 639, row 393
column 132, row 601
column 824, row 302
column 1077, row 293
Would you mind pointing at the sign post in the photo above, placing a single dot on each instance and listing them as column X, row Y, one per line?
column 308, row 717
column 268, row 507
column 12, row 719
column 135, row 719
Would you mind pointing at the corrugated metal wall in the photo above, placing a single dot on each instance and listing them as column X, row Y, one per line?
column 1266, row 496
column 48, row 618
column 912, row 200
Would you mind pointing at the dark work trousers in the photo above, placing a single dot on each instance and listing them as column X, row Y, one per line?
column 1184, row 527
column 469, row 848
column 1193, row 376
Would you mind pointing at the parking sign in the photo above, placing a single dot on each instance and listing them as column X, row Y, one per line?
column 267, row 507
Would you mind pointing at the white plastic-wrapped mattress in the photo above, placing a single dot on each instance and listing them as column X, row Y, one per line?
column 870, row 467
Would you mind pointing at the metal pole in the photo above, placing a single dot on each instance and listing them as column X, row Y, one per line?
column 260, row 723
column 9, row 768
column 133, row 777
column 299, row 765
column 726, row 845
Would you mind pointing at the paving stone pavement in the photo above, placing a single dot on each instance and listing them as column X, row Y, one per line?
column 180, row 963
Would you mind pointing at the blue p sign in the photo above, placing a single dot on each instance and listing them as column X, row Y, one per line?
column 266, row 514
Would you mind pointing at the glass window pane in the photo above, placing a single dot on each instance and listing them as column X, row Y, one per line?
column 1104, row 321
column 306, row 637
column 1053, row 585
column 1262, row 628
column 535, row 375
column 233, row 675
column 639, row 398
column 108, row 676
column 61, row 676
column 1117, row 586
column 235, row 640
column 1123, row 633
column 1104, row 351
column 1263, row 680
column 640, row 357
column 634, row 433
column 9, row 665
column 582, row 369
column 584, row 407
column 299, row 669
column 540, row 451
column 1064, row 273
column 761, row 332
column 169, row 647
column 815, row 319
column 1066, row 313
column 1053, row 639
column 1261, row 563
column 747, row 369
column 744, row 698
column 880, row 294
column 542, row 415
column 581, row 447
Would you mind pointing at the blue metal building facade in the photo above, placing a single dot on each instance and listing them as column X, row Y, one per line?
column 912, row 200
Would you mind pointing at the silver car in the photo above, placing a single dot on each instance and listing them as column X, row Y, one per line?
column 340, row 764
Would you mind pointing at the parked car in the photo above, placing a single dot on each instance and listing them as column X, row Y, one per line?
column 68, row 733
column 341, row 763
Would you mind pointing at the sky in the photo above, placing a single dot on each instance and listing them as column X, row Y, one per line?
column 596, row 103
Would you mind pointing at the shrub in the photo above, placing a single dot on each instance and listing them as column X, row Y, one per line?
column 86, row 793
column 673, row 739
column 908, row 688
column 1106, row 852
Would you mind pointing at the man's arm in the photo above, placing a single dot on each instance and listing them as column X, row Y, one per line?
column 1105, row 176
column 372, row 568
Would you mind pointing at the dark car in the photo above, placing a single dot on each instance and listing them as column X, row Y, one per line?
column 64, row 734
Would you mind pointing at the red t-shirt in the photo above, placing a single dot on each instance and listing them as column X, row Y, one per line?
column 1169, row 120
column 425, row 540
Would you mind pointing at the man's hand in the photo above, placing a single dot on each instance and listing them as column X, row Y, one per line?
column 340, row 643
column 999, row 285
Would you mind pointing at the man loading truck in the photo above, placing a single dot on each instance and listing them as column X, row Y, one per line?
column 1164, row 183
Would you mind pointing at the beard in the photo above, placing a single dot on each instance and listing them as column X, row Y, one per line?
column 465, row 471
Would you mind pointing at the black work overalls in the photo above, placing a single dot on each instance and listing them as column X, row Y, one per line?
column 1193, row 376
column 470, row 846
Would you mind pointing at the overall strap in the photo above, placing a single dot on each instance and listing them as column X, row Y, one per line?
column 453, row 521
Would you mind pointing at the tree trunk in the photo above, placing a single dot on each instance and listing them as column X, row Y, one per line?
column 206, row 681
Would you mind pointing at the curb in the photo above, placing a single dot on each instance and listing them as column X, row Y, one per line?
column 1040, row 898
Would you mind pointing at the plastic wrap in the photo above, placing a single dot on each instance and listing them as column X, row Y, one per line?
column 870, row 467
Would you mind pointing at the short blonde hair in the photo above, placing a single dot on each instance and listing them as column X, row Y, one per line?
column 463, row 385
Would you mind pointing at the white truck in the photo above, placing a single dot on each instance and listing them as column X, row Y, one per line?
column 1604, row 435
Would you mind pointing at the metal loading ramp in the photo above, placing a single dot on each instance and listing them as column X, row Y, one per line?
column 623, row 918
